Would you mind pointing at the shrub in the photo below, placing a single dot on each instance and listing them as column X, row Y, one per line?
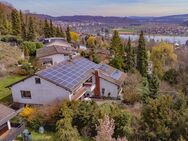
column 22, row 61
column 171, row 76
column 27, row 112
column 11, row 38
column 131, row 97
column 25, row 69
column 131, row 88
column 31, row 47
column 39, row 45
column 96, row 58
column 83, row 53
column 41, row 116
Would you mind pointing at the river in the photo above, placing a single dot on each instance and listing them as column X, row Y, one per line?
column 171, row 39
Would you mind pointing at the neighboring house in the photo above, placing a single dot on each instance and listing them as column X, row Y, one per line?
column 56, row 42
column 74, row 79
column 51, row 55
column 56, row 50
column 9, row 131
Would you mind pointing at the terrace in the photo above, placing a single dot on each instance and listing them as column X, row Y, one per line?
column 86, row 89
column 11, row 134
column 8, row 130
column 78, row 94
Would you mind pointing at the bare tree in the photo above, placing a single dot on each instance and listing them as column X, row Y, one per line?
column 105, row 130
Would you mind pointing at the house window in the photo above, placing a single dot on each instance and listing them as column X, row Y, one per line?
column 37, row 80
column 103, row 91
column 26, row 94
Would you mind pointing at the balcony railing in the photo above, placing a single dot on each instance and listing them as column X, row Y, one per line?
column 89, row 86
column 79, row 93
column 11, row 134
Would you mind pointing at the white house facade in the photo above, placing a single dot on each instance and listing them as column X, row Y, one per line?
column 71, row 80
column 35, row 90
column 54, row 59
column 108, row 89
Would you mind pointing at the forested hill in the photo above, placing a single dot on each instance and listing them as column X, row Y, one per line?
column 86, row 18
column 5, row 8
column 28, row 27
column 177, row 19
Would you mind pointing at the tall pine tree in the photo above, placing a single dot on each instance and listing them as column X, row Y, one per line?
column 5, row 27
column 154, row 83
column 142, row 59
column 23, row 27
column 58, row 33
column 47, row 33
column 31, row 31
column 62, row 33
column 68, row 35
column 116, row 44
column 51, row 29
column 16, row 24
column 130, row 58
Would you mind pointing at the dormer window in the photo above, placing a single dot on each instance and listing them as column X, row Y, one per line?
column 37, row 81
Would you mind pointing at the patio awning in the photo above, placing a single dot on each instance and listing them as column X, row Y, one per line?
column 6, row 114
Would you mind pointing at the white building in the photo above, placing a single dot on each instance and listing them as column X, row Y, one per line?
column 71, row 80
column 56, row 41
column 56, row 50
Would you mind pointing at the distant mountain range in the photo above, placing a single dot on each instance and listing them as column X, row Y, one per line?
column 177, row 19
column 86, row 18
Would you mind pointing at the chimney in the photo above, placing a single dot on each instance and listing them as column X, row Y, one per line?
column 97, row 81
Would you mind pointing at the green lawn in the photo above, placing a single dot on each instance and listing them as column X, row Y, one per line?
column 5, row 81
column 48, row 136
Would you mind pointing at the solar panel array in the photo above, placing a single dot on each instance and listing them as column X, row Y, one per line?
column 116, row 74
column 69, row 75
column 104, row 67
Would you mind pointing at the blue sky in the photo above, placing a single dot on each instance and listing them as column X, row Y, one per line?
column 103, row 7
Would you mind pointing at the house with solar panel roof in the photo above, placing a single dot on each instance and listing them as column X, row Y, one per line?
column 74, row 79
column 55, row 51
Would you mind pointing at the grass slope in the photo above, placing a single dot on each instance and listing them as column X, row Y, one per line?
column 5, row 81
column 9, row 55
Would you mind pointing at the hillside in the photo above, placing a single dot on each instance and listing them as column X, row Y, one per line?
column 9, row 55
column 177, row 19
column 18, row 23
column 5, row 8
column 86, row 18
